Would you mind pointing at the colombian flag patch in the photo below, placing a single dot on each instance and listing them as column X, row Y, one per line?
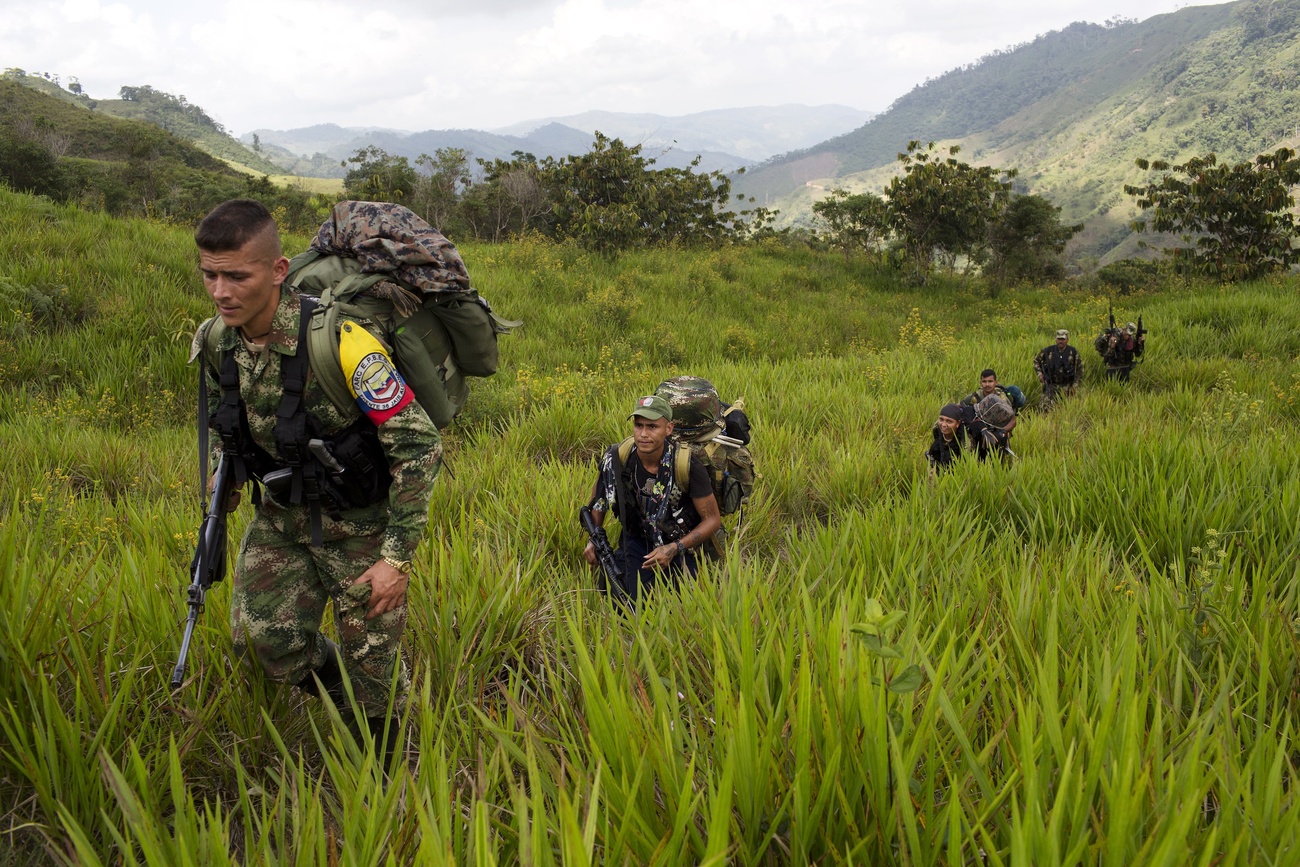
column 372, row 377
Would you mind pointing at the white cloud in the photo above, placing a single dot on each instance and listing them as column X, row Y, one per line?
column 416, row 65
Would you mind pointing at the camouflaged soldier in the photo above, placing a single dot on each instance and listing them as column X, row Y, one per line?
column 1120, row 349
column 343, row 498
column 1059, row 369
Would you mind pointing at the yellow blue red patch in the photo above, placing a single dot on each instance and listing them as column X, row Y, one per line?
column 372, row 377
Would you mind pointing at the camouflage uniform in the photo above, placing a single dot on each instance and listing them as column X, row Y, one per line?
column 1061, row 369
column 1120, row 349
column 281, row 583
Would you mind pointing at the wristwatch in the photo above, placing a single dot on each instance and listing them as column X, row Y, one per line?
column 681, row 549
column 403, row 566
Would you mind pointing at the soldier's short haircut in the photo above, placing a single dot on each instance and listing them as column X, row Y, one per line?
column 234, row 223
column 987, row 372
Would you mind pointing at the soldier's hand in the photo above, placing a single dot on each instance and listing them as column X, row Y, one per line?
column 590, row 553
column 660, row 557
column 232, row 499
column 387, row 588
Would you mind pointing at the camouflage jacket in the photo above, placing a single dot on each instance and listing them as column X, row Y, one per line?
column 410, row 440
column 1125, row 349
column 1059, row 365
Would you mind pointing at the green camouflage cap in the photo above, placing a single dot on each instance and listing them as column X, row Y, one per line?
column 652, row 406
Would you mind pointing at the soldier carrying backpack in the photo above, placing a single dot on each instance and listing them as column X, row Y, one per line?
column 660, row 491
column 340, row 488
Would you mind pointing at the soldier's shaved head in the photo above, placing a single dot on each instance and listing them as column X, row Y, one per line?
column 233, row 224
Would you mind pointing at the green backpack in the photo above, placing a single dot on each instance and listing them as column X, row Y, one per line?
column 437, row 339
column 700, row 424
column 439, row 334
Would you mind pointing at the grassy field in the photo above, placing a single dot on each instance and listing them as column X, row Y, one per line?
column 1089, row 657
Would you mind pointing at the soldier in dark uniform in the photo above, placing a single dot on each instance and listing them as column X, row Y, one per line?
column 948, row 437
column 1059, row 369
column 354, row 550
column 1120, row 349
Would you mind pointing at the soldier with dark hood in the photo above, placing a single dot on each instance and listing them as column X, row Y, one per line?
column 1059, row 369
column 1120, row 349
column 312, row 539
column 663, row 522
column 948, row 437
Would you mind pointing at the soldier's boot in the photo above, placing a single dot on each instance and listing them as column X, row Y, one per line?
column 329, row 676
column 387, row 734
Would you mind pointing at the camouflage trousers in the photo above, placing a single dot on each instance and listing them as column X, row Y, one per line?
column 281, row 586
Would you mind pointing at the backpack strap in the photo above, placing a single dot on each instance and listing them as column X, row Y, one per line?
column 682, row 467
column 323, row 342
column 291, row 434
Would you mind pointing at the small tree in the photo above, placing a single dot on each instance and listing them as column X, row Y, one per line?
column 438, row 194
column 1236, row 218
column 379, row 176
column 1027, row 239
column 942, row 206
column 855, row 222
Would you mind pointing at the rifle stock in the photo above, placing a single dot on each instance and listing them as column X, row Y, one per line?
column 209, row 563
column 604, row 554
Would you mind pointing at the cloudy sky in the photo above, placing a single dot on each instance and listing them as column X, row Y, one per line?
column 435, row 64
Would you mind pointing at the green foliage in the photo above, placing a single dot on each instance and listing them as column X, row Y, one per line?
column 1238, row 217
column 941, row 206
column 29, row 167
column 611, row 198
column 1026, row 241
column 1129, row 275
column 997, row 666
column 380, row 177
column 855, row 222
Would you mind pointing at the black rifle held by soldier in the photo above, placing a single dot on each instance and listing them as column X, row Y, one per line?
column 209, row 564
column 605, row 555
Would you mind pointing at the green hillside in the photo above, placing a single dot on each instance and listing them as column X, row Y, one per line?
column 61, row 145
column 1074, row 108
column 175, row 114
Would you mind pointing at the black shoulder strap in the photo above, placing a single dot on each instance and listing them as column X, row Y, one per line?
column 291, row 433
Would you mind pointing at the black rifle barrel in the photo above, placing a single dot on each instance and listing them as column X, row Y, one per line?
column 604, row 553
column 209, row 564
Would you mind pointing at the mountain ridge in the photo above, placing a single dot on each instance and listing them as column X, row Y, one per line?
column 1073, row 109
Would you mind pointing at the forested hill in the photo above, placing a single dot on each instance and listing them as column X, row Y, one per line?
column 1073, row 108
column 178, row 116
column 58, row 146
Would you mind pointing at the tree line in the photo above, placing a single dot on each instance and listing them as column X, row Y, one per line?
column 1231, row 221
column 612, row 197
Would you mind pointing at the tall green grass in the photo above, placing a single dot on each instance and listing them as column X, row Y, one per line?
column 1086, row 657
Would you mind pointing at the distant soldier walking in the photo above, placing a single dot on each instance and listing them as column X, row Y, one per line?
column 1120, row 349
column 1059, row 369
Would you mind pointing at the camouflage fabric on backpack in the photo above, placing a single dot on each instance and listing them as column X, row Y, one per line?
column 697, row 409
column 380, row 262
column 995, row 410
column 698, row 423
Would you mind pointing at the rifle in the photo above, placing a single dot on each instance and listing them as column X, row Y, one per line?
column 605, row 555
column 1112, row 317
column 209, row 563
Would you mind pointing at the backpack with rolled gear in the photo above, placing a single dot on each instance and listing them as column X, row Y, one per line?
column 381, row 262
column 712, row 430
